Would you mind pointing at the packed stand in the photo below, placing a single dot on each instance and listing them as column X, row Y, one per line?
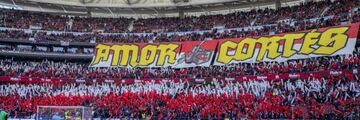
column 112, row 25
column 272, row 22
column 317, row 96
column 27, row 19
column 15, row 34
column 68, row 37
column 312, row 98
column 167, row 37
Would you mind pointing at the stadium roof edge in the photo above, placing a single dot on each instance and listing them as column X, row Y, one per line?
column 144, row 10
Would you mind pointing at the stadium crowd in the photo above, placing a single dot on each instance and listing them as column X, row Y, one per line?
column 316, row 96
column 282, row 20
column 310, row 98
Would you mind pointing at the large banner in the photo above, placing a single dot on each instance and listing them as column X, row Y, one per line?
column 330, row 41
